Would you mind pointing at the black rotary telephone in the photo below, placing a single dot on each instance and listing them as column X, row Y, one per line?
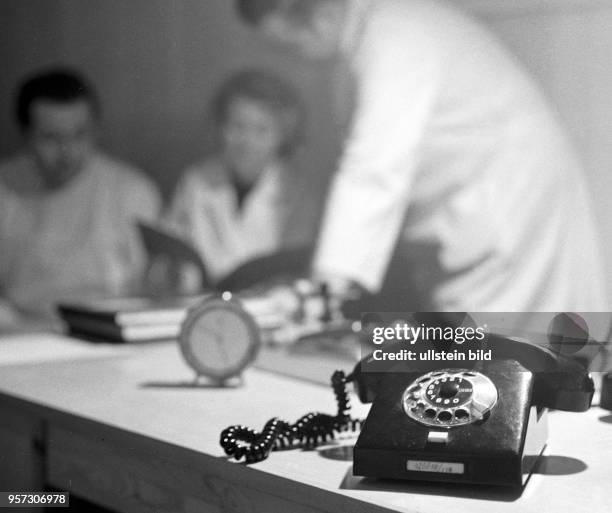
column 481, row 425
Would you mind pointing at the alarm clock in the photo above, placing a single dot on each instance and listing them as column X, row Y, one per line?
column 219, row 339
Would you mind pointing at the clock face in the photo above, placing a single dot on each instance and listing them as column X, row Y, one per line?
column 219, row 339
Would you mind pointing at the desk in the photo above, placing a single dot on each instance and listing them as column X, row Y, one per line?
column 126, row 430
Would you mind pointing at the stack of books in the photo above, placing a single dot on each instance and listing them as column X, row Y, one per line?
column 140, row 319
column 125, row 320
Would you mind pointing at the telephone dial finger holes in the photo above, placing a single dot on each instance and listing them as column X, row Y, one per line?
column 449, row 398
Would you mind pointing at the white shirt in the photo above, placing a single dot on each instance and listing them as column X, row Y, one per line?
column 205, row 212
column 75, row 242
column 453, row 147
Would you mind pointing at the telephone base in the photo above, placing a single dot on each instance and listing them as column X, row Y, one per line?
column 503, row 450
column 447, row 466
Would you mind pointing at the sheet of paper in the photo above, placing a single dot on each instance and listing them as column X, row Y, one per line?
column 35, row 348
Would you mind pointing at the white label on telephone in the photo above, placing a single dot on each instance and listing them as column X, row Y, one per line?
column 440, row 467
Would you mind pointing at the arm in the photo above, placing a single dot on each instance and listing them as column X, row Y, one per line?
column 177, row 216
column 140, row 203
column 369, row 196
column 8, row 316
column 167, row 272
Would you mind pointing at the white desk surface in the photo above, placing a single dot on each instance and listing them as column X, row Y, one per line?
column 145, row 392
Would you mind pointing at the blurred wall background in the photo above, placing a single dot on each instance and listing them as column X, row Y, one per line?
column 156, row 62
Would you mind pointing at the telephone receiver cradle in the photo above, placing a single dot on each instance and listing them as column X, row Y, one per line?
column 483, row 425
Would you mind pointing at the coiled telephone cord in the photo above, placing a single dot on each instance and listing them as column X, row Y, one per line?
column 308, row 432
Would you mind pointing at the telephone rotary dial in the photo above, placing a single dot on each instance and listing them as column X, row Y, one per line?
column 449, row 397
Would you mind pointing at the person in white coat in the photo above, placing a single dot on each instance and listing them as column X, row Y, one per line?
column 67, row 210
column 454, row 158
column 233, row 206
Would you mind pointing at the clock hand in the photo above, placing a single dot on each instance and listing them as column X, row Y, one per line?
column 216, row 333
column 222, row 349
column 218, row 337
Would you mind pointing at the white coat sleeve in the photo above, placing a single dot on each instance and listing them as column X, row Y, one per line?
column 370, row 193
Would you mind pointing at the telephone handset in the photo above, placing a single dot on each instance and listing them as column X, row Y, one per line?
column 482, row 425
column 560, row 382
